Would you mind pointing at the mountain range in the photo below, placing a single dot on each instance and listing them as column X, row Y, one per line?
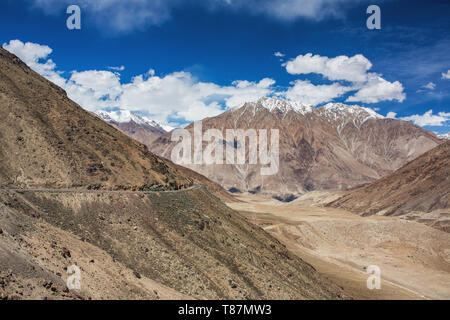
column 335, row 146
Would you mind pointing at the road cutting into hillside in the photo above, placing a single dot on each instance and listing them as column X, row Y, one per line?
column 194, row 187
column 414, row 259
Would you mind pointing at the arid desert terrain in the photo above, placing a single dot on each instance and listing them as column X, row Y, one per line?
column 414, row 258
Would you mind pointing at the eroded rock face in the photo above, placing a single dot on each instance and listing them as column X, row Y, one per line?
column 332, row 147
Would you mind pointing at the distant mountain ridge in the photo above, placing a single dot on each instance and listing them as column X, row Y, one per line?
column 124, row 116
column 138, row 127
column 335, row 146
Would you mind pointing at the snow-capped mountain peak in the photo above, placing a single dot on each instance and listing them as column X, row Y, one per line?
column 345, row 113
column 283, row 105
column 126, row 116
column 343, row 109
column 330, row 110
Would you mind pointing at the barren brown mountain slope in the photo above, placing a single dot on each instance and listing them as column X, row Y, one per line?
column 186, row 240
column 181, row 242
column 331, row 147
column 48, row 140
column 419, row 189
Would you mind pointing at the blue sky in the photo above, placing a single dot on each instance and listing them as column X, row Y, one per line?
column 184, row 60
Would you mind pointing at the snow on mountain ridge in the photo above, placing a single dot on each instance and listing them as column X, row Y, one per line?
column 330, row 110
column 284, row 105
column 340, row 108
column 125, row 116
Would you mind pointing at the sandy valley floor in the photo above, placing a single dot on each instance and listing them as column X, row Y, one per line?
column 414, row 259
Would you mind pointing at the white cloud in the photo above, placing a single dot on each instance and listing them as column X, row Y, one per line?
column 429, row 119
column 121, row 68
column 35, row 56
column 446, row 75
column 179, row 95
column 370, row 87
column 103, row 83
column 429, row 86
column 309, row 93
column 174, row 96
column 391, row 115
column 377, row 89
column 279, row 54
column 353, row 69
column 94, row 89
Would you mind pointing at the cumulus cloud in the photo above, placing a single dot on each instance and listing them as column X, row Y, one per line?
column 180, row 95
column 370, row 87
column 429, row 119
column 309, row 93
column 446, row 75
column 353, row 69
column 94, row 89
column 377, row 89
column 177, row 95
column 279, row 54
column 35, row 56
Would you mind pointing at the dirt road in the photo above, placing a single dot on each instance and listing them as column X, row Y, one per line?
column 95, row 191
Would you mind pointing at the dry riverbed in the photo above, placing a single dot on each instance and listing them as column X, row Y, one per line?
column 414, row 259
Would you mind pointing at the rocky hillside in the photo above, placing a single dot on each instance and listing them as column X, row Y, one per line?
column 418, row 189
column 50, row 141
column 186, row 241
column 332, row 147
